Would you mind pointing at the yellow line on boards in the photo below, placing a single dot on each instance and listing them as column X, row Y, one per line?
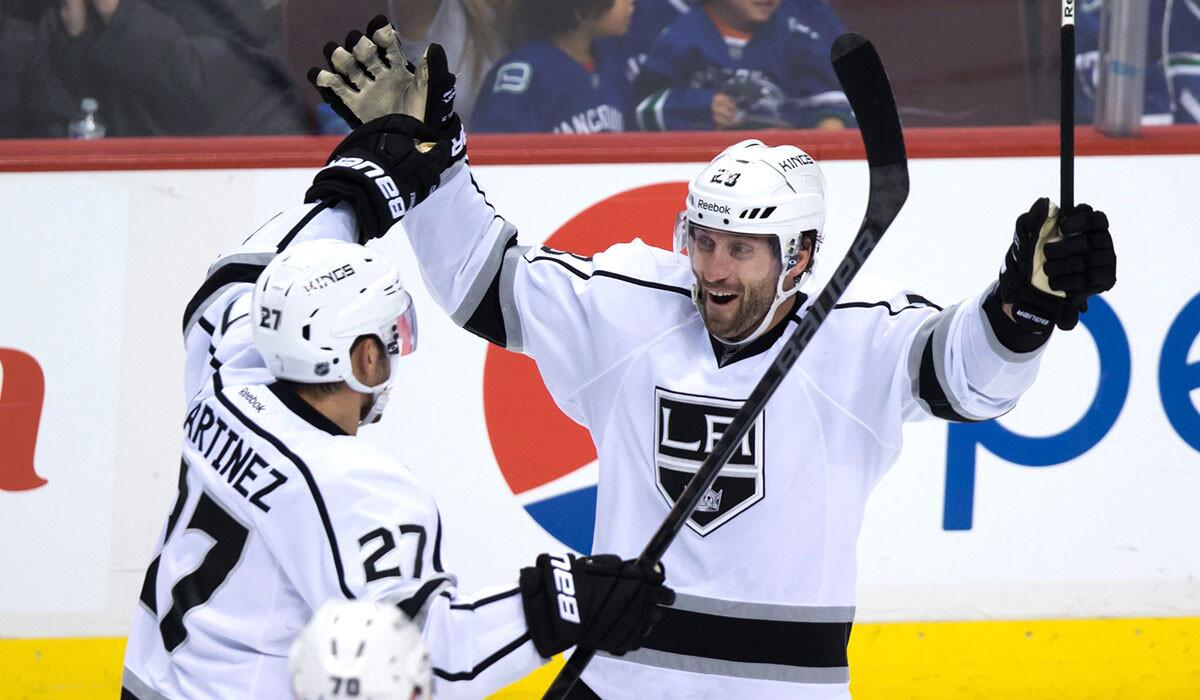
column 1147, row 659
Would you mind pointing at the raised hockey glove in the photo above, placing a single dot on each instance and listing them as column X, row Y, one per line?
column 382, row 169
column 370, row 77
column 598, row 602
column 1056, row 261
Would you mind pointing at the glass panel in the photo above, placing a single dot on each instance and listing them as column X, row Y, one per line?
column 104, row 68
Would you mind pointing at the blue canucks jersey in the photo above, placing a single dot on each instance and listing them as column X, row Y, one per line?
column 780, row 77
column 539, row 88
column 1172, row 69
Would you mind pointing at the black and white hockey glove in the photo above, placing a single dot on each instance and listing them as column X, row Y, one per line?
column 370, row 77
column 598, row 602
column 382, row 169
column 1056, row 261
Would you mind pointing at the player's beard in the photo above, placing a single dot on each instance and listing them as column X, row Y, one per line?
column 737, row 319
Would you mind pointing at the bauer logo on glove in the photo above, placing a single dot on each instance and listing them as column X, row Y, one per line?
column 1056, row 261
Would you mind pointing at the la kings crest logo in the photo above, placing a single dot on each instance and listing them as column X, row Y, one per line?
column 687, row 427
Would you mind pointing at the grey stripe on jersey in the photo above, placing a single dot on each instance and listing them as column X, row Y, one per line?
column 138, row 688
column 508, row 303
column 928, row 354
column 486, row 276
column 763, row 611
column 735, row 669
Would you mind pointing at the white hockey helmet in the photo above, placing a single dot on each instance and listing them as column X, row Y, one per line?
column 752, row 188
column 360, row 648
column 315, row 298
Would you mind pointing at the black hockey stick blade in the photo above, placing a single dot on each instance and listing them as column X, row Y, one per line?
column 866, row 85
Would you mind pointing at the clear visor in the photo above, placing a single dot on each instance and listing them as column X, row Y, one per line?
column 404, row 330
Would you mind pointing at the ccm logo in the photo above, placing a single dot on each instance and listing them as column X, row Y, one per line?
column 386, row 185
column 568, row 607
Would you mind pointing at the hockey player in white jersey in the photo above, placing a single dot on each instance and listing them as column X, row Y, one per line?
column 654, row 350
column 360, row 648
column 292, row 344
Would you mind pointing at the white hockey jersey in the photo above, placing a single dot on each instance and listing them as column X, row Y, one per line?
column 765, row 569
column 279, row 510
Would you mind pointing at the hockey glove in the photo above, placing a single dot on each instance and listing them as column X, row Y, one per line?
column 370, row 77
column 382, row 169
column 597, row 602
column 1056, row 261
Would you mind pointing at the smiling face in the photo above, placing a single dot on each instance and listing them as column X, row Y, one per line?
column 736, row 277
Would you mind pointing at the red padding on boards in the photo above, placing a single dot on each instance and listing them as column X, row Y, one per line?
column 236, row 152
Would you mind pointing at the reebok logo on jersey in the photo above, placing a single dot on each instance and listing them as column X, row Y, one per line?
column 687, row 429
column 712, row 207
column 252, row 399
column 564, row 583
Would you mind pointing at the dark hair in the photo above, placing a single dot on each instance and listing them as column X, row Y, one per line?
column 526, row 21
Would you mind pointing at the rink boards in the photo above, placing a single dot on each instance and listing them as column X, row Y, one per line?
column 1055, row 549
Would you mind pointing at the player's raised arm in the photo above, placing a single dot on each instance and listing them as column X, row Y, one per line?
column 973, row 360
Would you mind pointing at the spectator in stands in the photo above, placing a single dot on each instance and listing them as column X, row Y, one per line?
column 1172, row 76
column 744, row 64
column 177, row 67
column 33, row 101
column 650, row 18
column 466, row 29
column 562, row 78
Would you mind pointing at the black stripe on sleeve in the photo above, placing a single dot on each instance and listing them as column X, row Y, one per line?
column 931, row 391
column 229, row 274
column 485, row 664
column 312, row 214
column 486, row 601
column 412, row 606
column 612, row 275
column 208, row 327
column 437, row 545
column 487, row 320
column 886, row 305
column 918, row 299
column 308, row 479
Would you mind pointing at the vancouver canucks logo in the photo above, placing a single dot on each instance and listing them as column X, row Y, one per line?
column 687, row 427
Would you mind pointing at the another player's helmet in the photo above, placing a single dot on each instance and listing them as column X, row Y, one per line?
column 753, row 188
column 359, row 648
column 315, row 298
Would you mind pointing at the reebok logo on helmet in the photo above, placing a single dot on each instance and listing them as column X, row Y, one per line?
column 712, row 207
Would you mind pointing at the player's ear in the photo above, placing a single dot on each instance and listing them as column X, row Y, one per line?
column 366, row 355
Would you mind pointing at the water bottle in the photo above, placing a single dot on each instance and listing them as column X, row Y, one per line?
column 86, row 125
column 1121, row 94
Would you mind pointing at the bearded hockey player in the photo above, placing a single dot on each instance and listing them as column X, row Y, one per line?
column 293, row 343
column 654, row 350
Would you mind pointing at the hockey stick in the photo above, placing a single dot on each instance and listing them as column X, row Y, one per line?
column 1066, row 117
column 865, row 83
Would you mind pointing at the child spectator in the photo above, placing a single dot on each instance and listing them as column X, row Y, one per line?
column 562, row 78
column 744, row 64
column 650, row 18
